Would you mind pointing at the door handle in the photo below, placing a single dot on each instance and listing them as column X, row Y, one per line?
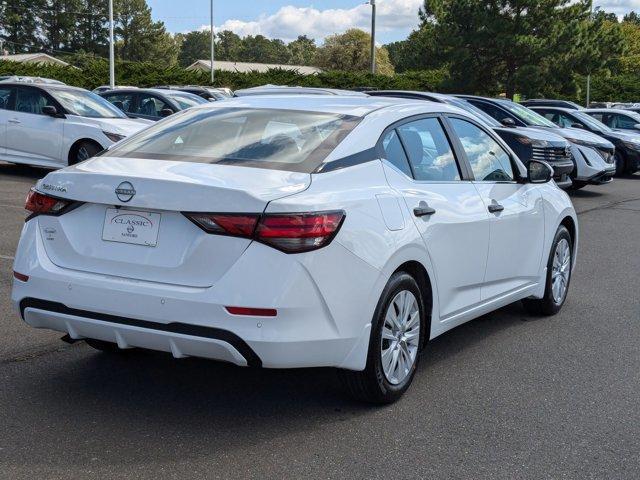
column 423, row 211
column 495, row 208
column 14, row 120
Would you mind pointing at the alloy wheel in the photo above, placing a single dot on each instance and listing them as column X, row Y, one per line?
column 400, row 337
column 560, row 271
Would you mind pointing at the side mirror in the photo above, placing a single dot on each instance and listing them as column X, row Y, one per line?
column 508, row 122
column 539, row 172
column 51, row 111
column 637, row 126
column 165, row 112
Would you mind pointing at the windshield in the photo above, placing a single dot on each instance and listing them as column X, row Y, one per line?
column 265, row 138
column 185, row 100
column 85, row 104
column 463, row 104
column 528, row 116
column 591, row 122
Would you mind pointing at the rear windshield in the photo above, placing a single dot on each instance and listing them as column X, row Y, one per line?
column 265, row 138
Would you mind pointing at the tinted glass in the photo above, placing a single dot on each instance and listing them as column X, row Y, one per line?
column 85, row 104
column 624, row 122
column 150, row 105
column 429, row 151
column 591, row 122
column 394, row 152
column 558, row 118
column 123, row 101
column 488, row 160
column 5, row 94
column 186, row 100
column 528, row 116
column 31, row 100
column 265, row 138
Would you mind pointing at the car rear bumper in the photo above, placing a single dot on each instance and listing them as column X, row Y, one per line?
column 307, row 330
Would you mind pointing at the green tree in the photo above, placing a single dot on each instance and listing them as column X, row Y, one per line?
column 58, row 23
column 195, row 45
column 351, row 51
column 260, row 49
column 19, row 25
column 228, row 46
column 139, row 37
column 91, row 34
column 302, row 51
column 418, row 52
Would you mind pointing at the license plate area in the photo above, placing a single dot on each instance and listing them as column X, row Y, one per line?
column 135, row 227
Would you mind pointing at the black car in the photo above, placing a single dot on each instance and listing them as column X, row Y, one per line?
column 151, row 103
column 527, row 143
column 546, row 102
column 627, row 155
column 207, row 93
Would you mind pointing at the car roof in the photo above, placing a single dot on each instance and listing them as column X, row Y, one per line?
column 609, row 110
column 45, row 86
column 553, row 107
column 353, row 105
column 287, row 90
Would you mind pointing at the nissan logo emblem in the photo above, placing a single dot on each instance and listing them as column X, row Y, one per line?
column 125, row 192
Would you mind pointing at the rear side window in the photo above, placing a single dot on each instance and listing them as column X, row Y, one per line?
column 266, row 138
column 394, row 152
column 429, row 151
column 489, row 162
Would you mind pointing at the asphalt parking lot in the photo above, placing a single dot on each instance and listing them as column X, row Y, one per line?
column 507, row 396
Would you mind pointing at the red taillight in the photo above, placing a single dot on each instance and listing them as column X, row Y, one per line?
column 253, row 312
column 289, row 232
column 299, row 232
column 39, row 204
column 240, row 225
column 21, row 276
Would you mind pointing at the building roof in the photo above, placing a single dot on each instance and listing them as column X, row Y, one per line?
column 34, row 58
column 250, row 67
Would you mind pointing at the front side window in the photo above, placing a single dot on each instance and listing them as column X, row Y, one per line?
column 265, row 138
column 150, row 105
column 5, row 97
column 623, row 122
column 429, row 151
column 489, row 162
column 31, row 100
column 122, row 101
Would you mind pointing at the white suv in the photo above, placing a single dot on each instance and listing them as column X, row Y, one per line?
column 52, row 125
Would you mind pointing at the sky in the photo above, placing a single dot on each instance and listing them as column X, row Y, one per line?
column 286, row 19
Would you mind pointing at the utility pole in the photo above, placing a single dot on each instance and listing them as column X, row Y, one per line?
column 112, row 71
column 213, row 56
column 589, row 74
column 373, row 36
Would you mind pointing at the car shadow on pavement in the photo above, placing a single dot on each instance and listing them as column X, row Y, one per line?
column 23, row 170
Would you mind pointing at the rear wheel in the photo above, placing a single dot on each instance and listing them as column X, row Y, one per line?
column 621, row 164
column 397, row 334
column 83, row 151
column 558, row 276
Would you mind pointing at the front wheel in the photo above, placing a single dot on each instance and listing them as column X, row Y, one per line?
column 558, row 276
column 397, row 333
column 82, row 152
column 621, row 165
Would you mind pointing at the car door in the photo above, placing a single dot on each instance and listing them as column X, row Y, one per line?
column 6, row 104
column 445, row 206
column 32, row 136
column 515, row 209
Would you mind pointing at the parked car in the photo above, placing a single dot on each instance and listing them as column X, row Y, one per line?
column 284, row 90
column 304, row 231
column 211, row 94
column 546, row 102
column 616, row 118
column 52, row 125
column 528, row 143
column 151, row 103
column 593, row 155
column 106, row 88
column 627, row 153
column 26, row 79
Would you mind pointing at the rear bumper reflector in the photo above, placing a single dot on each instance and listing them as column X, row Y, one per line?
column 252, row 358
column 252, row 312
column 20, row 276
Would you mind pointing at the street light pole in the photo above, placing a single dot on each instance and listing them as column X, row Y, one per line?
column 212, row 45
column 112, row 71
column 373, row 36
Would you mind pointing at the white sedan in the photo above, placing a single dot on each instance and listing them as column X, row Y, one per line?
column 51, row 125
column 305, row 231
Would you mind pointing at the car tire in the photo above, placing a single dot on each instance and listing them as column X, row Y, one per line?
column 386, row 384
column 621, row 164
column 558, row 270
column 101, row 345
column 83, row 151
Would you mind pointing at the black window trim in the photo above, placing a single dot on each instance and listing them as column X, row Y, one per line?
column 461, row 161
column 514, row 166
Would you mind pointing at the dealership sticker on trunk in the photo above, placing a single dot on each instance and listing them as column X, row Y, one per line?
column 131, row 226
